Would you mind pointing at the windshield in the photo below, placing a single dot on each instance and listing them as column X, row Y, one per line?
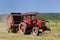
column 33, row 17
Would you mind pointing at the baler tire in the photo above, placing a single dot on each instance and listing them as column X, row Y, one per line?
column 35, row 31
column 23, row 28
column 10, row 31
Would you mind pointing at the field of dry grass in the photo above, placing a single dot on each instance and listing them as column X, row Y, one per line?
column 54, row 34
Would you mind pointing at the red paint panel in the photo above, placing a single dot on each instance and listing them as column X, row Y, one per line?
column 39, row 23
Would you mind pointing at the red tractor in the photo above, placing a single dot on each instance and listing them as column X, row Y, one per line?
column 25, row 23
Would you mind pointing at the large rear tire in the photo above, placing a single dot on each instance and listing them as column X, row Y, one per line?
column 23, row 28
column 35, row 31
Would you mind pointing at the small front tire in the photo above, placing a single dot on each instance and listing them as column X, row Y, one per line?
column 35, row 31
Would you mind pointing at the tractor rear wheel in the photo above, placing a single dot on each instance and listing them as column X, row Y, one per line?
column 23, row 28
column 35, row 31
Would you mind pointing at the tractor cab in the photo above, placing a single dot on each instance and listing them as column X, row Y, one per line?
column 32, row 18
column 29, row 18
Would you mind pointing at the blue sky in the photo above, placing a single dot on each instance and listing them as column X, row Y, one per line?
column 8, row 6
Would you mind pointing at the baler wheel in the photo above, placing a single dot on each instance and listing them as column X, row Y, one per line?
column 10, row 30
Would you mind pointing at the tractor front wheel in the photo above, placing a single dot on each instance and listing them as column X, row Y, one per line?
column 35, row 31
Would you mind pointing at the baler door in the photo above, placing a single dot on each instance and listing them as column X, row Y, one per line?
column 17, row 19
